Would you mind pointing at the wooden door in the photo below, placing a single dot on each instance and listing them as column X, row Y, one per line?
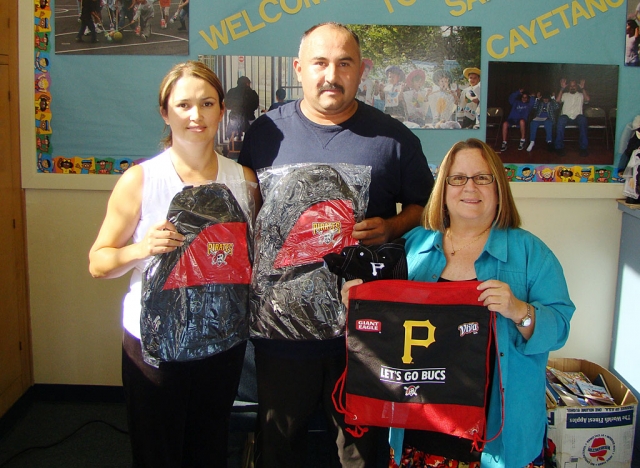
column 5, row 24
column 15, row 350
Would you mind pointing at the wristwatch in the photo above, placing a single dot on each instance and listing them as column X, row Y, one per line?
column 526, row 321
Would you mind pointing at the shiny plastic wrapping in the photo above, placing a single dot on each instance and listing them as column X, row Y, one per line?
column 631, row 176
column 308, row 211
column 195, row 299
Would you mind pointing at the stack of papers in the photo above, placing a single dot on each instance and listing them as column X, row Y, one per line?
column 567, row 388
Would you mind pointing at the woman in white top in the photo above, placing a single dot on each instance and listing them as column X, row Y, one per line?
column 179, row 412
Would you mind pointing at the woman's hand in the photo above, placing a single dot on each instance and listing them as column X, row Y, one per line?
column 161, row 238
column 497, row 297
column 345, row 290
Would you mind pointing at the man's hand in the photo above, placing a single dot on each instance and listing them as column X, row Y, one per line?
column 371, row 231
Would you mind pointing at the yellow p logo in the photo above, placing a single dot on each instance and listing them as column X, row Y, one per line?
column 409, row 341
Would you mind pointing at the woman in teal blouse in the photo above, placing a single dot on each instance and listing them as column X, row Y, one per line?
column 471, row 231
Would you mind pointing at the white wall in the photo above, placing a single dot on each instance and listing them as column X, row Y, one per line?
column 584, row 233
column 76, row 319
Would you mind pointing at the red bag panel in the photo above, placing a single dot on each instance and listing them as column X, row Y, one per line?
column 456, row 420
column 415, row 292
column 218, row 255
column 323, row 228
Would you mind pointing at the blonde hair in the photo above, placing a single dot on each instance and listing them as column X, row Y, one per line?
column 189, row 68
column 435, row 215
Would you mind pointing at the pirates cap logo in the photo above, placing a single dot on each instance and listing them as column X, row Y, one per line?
column 326, row 230
column 411, row 390
column 219, row 252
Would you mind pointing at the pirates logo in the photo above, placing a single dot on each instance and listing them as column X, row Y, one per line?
column 409, row 341
column 219, row 252
column 411, row 390
column 327, row 231
column 598, row 450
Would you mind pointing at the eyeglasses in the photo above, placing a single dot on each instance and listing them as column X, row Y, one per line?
column 479, row 179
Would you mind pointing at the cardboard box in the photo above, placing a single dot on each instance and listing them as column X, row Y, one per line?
column 587, row 436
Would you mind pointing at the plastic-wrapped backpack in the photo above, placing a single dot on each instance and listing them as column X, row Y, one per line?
column 195, row 299
column 631, row 177
column 309, row 211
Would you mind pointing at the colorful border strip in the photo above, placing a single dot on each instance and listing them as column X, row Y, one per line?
column 42, row 83
column 552, row 173
column 47, row 163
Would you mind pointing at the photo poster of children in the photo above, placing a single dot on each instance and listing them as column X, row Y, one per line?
column 425, row 76
column 553, row 113
column 120, row 27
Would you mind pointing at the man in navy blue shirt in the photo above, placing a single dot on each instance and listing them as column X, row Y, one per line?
column 328, row 125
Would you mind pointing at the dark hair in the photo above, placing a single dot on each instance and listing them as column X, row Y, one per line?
column 632, row 23
column 332, row 24
column 243, row 80
column 189, row 68
column 281, row 93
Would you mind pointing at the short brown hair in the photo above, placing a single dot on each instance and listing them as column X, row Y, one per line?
column 189, row 68
column 435, row 215
column 331, row 24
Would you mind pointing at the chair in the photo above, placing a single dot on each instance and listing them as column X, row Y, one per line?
column 513, row 131
column 494, row 120
column 511, row 135
column 572, row 131
column 234, row 147
column 613, row 114
column 597, row 119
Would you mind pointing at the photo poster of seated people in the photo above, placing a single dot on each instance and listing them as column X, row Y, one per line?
column 435, row 66
column 632, row 34
column 551, row 113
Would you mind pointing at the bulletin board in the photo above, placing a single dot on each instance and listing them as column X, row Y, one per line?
column 96, row 110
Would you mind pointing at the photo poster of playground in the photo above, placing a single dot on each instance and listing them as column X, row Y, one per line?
column 120, row 27
column 584, row 134
column 632, row 34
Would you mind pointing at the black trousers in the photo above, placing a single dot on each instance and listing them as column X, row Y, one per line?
column 178, row 414
column 86, row 21
column 290, row 390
